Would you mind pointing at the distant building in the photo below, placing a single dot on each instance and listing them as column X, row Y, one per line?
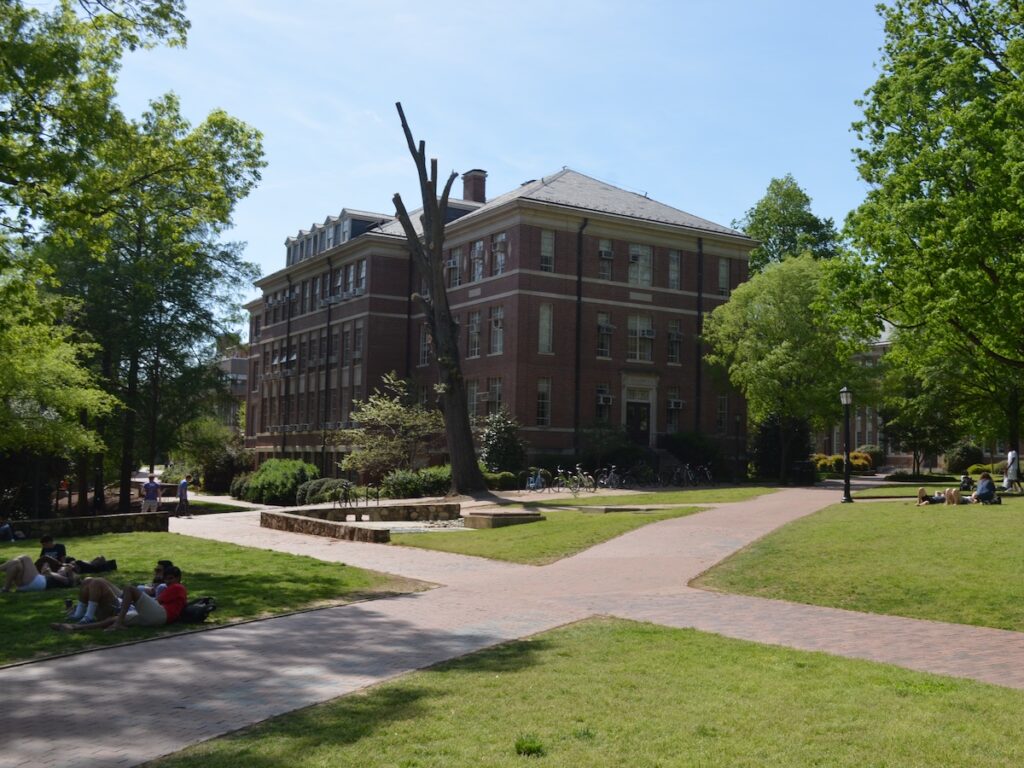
column 234, row 365
column 578, row 303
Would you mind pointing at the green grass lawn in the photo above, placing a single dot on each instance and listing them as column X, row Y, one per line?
column 960, row 564
column 688, row 496
column 563, row 533
column 246, row 582
column 616, row 693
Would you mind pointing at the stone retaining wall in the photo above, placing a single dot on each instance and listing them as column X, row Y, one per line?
column 315, row 526
column 93, row 525
column 386, row 512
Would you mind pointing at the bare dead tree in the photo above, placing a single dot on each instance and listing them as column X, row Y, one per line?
column 428, row 253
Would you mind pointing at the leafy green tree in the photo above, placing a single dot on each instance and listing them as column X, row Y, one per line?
column 57, row 90
column 393, row 432
column 941, row 232
column 158, row 283
column 501, row 449
column 45, row 390
column 217, row 452
column 915, row 413
column 780, row 343
column 784, row 223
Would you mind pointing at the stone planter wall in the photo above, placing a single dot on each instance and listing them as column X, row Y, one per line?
column 93, row 525
column 386, row 512
column 315, row 526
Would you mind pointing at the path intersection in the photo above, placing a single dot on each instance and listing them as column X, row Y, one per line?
column 200, row 685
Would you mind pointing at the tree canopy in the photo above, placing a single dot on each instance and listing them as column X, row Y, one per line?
column 941, row 232
column 783, row 222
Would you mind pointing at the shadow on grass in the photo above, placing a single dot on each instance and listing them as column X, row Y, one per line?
column 347, row 720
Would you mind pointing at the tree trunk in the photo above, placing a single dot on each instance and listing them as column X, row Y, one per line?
column 1013, row 418
column 154, row 410
column 427, row 252
column 124, row 500
column 783, row 451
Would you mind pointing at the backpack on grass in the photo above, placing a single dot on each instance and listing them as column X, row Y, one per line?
column 197, row 610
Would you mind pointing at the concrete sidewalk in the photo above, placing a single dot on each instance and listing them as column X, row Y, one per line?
column 221, row 680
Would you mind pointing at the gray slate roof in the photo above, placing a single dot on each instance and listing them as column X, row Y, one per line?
column 576, row 190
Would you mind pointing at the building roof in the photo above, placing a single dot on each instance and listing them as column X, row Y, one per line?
column 576, row 190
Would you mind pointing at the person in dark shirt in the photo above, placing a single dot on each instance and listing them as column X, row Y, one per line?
column 53, row 553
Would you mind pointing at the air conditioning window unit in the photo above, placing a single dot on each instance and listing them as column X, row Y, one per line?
column 452, row 264
column 605, row 399
column 675, row 405
column 605, row 328
column 646, row 333
column 634, row 258
column 497, row 323
column 483, row 397
column 606, row 254
column 357, row 354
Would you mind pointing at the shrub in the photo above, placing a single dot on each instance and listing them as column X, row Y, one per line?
column 963, row 455
column 859, row 457
column 402, row 484
column 500, row 446
column 239, row 483
column 876, row 452
column 436, row 481
column 998, row 467
column 309, row 491
column 277, row 481
column 328, row 490
column 501, row 481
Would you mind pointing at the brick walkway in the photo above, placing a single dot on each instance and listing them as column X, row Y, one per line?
column 200, row 685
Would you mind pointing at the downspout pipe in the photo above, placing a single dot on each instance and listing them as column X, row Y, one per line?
column 287, row 364
column 699, row 348
column 325, row 367
column 578, row 362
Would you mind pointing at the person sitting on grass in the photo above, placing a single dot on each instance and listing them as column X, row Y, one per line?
column 53, row 553
column 140, row 610
column 158, row 585
column 98, row 599
column 986, row 492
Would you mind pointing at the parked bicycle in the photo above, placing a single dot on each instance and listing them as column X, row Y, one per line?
column 610, row 477
column 536, row 481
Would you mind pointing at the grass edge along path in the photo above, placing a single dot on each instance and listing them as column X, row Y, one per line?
column 562, row 533
column 963, row 564
column 607, row 692
column 247, row 583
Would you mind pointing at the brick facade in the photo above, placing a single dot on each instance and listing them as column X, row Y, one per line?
column 575, row 310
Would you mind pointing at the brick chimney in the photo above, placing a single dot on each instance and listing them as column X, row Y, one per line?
column 474, row 185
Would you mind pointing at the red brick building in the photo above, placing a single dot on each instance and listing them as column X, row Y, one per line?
column 578, row 302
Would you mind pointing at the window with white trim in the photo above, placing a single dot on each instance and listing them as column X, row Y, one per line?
column 545, row 329
column 494, row 395
column 723, row 276
column 675, row 341
column 547, row 251
column 476, row 261
column 640, row 339
column 499, row 252
column 473, row 334
column 424, row 345
column 641, row 265
column 543, row 402
column 605, row 260
column 497, row 330
column 604, row 334
column 454, row 267
column 674, row 269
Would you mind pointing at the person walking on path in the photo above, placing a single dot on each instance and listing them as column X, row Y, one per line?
column 182, row 508
column 151, row 495
column 1013, row 471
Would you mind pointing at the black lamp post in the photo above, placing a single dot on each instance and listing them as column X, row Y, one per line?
column 846, row 398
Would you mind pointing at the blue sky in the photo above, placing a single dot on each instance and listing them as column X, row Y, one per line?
column 698, row 103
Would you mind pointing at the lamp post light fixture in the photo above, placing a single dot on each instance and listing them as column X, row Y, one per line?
column 846, row 398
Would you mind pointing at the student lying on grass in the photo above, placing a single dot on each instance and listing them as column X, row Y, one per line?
column 139, row 609
column 21, row 575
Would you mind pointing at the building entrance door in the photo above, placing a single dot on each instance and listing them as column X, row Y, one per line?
column 638, row 422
